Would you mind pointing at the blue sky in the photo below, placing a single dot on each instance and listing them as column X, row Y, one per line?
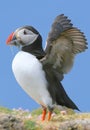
column 40, row 14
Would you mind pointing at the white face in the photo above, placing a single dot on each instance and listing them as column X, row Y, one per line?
column 26, row 36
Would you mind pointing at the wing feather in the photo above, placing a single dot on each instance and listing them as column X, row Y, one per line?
column 61, row 23
column 63, row 43
column 78, row 40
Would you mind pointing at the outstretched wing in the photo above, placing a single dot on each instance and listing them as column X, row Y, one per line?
column 63, row 43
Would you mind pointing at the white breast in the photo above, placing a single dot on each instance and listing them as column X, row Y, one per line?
column 29, row 74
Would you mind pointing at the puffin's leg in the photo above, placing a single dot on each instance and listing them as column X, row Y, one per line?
column 44, row 114
column 50, row 112
column 49, row 115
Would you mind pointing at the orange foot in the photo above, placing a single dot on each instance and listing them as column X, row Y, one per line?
column 44, row 114
column 49, row 115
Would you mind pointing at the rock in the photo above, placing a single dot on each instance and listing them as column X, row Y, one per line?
column 10, row 122
column 19, row 119
column 77, row 124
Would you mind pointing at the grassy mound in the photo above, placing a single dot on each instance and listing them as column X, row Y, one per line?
column 31, row 120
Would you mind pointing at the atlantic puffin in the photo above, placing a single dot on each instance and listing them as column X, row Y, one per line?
column 40, row 71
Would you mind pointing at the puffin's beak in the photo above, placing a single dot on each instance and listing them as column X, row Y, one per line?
column 12, row 43
column 12, row 40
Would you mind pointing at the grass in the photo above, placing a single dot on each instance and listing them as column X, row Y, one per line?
column 36, row 112
column 30, row 125
column 5, row 110
column 35, row 123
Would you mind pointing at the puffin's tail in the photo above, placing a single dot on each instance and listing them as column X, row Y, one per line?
column 63, row 99
column 57, row 91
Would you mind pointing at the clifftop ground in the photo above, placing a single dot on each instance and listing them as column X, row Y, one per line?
column 18, row 119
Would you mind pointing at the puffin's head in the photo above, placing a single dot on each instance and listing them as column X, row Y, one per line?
column 23, row 36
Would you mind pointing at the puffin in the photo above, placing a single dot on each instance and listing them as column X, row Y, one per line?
column 39, row 71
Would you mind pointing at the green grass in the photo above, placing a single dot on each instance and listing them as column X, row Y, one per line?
column 34, row 123
column 37, row 112
column 31, row 125
column 5, row 110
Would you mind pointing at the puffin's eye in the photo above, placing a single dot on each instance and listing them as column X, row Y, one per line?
column 25, row 32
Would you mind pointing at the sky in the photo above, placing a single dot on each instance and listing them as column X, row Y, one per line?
column 40, row 14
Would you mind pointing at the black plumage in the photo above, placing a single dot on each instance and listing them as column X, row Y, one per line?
column 56, row 89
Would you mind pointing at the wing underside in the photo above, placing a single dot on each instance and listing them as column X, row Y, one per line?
column 63, row 43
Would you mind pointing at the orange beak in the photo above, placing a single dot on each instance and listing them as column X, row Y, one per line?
column 9, row 39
